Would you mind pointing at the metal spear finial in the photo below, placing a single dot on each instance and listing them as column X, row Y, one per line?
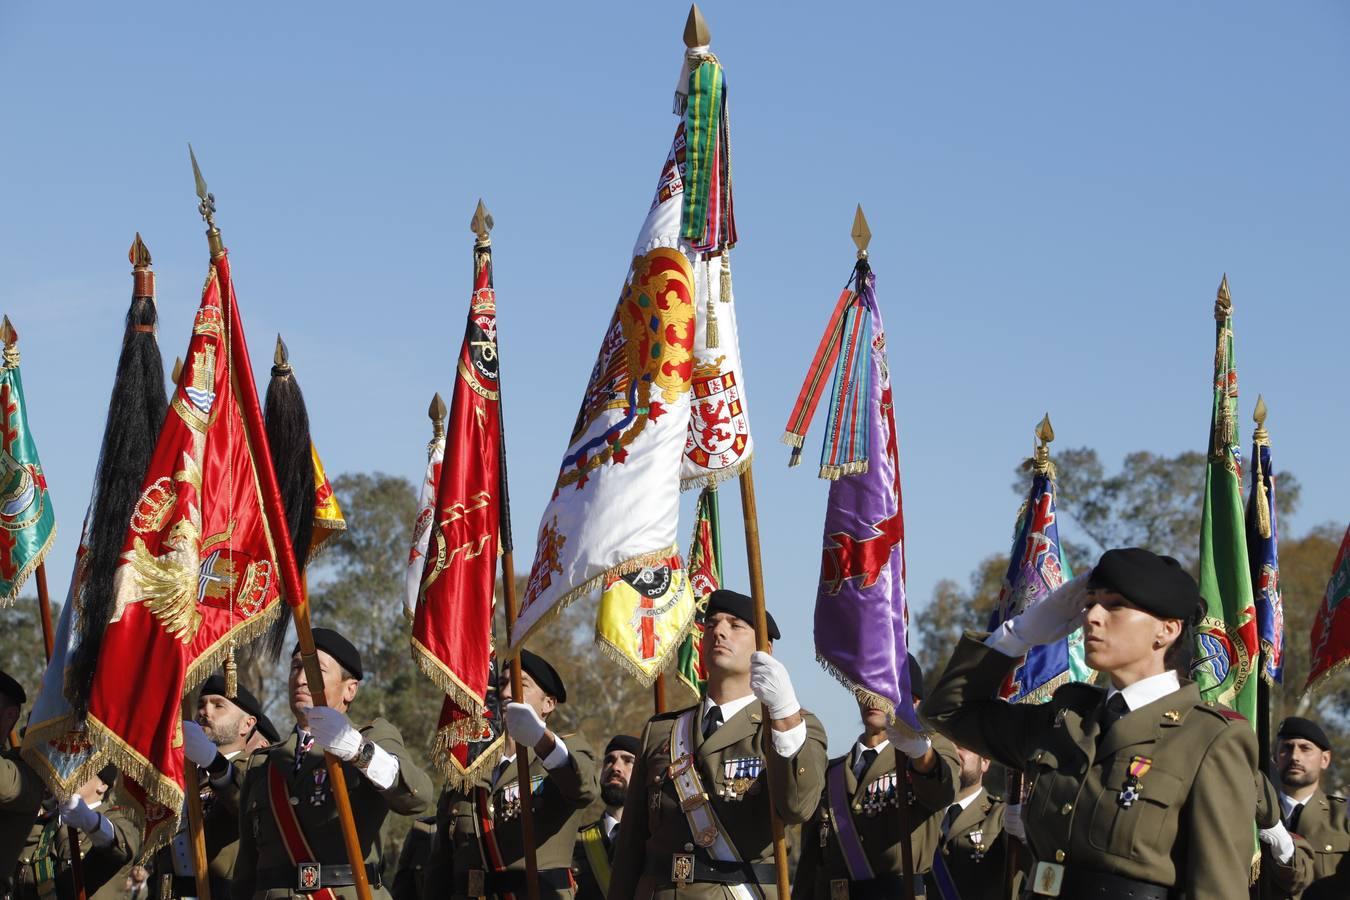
column 207, row 207
column 696, row 32
column 1260, row 436
column 139, row 254
column 481, row 225
column 177, row 370
column 1045, row 433
column 142, row 279
column 8, row 335
column 281, row 359
column 436, row 412
column 1223, row 303
column 862, row 235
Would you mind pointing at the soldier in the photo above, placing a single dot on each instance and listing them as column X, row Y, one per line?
column 1302, row 754
column 852, row 846
column 479, row 849
column 20, row 788
column 109, row 841
column 1134, row 789
column 595, row 844
column 288, row 825
column 410, row 882
column 696, row 820
column 217, row 743
column 972, row 851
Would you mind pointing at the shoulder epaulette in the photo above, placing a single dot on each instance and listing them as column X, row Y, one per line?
column 1222, row 712
column 670, row 714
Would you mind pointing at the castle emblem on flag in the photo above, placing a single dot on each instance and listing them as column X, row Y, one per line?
column 718, row 430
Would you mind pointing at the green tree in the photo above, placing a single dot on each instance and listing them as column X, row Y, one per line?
column 22, row 653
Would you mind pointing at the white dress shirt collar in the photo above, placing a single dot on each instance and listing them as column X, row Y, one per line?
column 730, row 708
column 1146, row 690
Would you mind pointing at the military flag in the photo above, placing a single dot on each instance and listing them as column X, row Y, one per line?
column 1263, row 551
column 705, row 576
column 1226, row 640
column 426, row 508
column 27, row 522
column 328, row 518
column 1330, row 638
column 1036, row 566
column 861, row 618
column 615, row 504
column 198, row 572
column 452, row 625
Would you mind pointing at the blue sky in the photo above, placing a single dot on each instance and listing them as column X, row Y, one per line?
column 1054, row 191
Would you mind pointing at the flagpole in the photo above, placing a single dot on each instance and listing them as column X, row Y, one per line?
column 196, row 823
column 241, row 372
column 45, row 608
column 481, row 225
column 659, row 693
column 750, row 516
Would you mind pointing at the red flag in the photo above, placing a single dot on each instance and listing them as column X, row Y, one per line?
column 1331, row 628
column 199, row 571
column 452, row 627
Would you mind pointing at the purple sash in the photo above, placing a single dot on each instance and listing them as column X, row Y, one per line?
column 859, row 869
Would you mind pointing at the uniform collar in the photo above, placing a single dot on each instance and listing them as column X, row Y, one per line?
column 1146, row 690
column 730, row 708
column 860, row 748
column 965, row 804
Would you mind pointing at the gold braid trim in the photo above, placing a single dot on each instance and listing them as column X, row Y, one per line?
column 834, row 473
column 473, row 704
column 792, row 439
column 668, row 656
column 214, row 656
column 62, row 727
column 458, row 779
column 871, row 698
column 158, row 789
column 712, row 479
column 30, row 567
column 1043, row 693
column 1334, row 669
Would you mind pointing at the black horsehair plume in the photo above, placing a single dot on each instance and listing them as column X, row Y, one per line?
column 287, row 425
column 135, row 415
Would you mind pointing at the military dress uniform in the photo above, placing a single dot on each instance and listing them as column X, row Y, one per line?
column 20, row 799
column 1323, row 823
column 220, row 829
column 482, row 831
column 972, row 851
column 44, row 867
column 593, row 859
column 264, row 867
column 410, row 872
column 871, row 804
column 1145, row 803
column 658, row 854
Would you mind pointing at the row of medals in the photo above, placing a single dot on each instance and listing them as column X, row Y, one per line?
column 880, row 795
column 508, row 807
column 739, row 777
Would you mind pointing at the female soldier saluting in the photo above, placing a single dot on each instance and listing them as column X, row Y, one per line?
column 1141, row 790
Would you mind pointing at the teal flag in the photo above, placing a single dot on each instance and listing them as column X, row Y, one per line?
column 27, row 525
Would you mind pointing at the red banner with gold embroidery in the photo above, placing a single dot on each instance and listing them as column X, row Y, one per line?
column 452, row 626
column 199, row 571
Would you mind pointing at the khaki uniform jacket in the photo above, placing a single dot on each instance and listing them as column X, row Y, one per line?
column 105, row 868
column 822, row 860
column 588, row 886
column 1323, row 827
column 976, row 851
column 1180, row 832
column 261, row 849
column 20, row 798
column 559, row 805
column 410, row 874
column 654, row 827
column 220, row 828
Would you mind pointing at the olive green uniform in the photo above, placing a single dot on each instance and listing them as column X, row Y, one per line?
column 410, row 873
column 975, row 851
column 263, row 868
column 1322, row 823
column 593, row 884
column 873, row 799
column 20, row 799
column 655, row 828
column 44, row 866
column 559, row 800
column 1182, row 830
column 220, row 828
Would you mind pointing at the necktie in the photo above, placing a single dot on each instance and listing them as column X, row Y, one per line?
column 302, row 747
column 864, row 761
column 952, row 812
column 502, row 766
column 712, row 721
column 1114, row 709
column 1292, row 823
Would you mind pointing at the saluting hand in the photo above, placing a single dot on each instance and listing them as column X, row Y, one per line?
column 333, row 731
column 772, row 686
column 1052, row 617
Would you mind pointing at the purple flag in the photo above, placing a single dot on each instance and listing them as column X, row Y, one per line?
column 860, row 618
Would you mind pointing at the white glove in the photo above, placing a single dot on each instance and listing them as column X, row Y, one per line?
column 1278, row 839
column 1051, row 618
column 333, row 731
column 772, row 686
column 524, row 724
column 1012, row 821
column 907, row 740
column 197, row 747
column 76, row 812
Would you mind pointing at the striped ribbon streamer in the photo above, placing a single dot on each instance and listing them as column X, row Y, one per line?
column 799, row 421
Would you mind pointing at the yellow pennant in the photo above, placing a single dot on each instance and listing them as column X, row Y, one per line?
column 327, row 514
column 644, row 615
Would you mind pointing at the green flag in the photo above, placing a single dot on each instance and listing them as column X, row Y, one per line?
column 27, row 525
column 1226, row 641
column 705, row 574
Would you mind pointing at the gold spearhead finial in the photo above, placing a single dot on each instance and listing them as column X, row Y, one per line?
column 207, row 208
column 1223, row 303
column 8, row 335
column 202, row 192
column 177, row 369
column 481, row 224
column 1045, row 431
column 142, row 279
column 696, row 32
column 1259, row 415
column 436, row 412
column 1040, row 459
column 139, row 254
column 281, row 358
column 862, row 235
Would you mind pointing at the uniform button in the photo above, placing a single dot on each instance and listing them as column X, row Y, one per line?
column 802, row 770
column 857, row 807
column 295, row 801
column 1066, row 808
column 1059, row 856
column 1328, row 848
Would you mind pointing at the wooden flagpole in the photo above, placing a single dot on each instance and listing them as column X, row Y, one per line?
column 481, row 225
column 659, row 693
column 241, row 372
column 196, row 821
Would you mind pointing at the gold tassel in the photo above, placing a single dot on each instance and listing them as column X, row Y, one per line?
column 726, row 275
column 231, row 675
column 711, row 337
column 1262, row 503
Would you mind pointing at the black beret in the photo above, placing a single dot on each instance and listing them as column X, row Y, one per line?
column 1155, row 584
column 1299, row 727
column 243, row 697
column 740, row 606
column 625, row 742
column 338, row 647
column 267, row 729
column 915, row 677
column 544, row 675
column 12, row 689
column 108, row 775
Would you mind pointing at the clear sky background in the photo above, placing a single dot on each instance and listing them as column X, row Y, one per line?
column 1055, row 190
